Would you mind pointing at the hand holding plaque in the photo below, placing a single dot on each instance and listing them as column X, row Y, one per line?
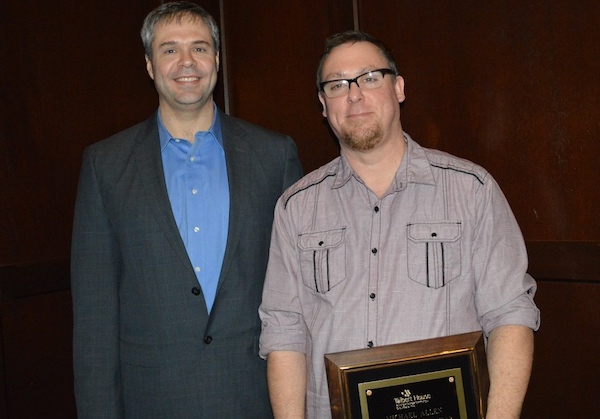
column 441, row 378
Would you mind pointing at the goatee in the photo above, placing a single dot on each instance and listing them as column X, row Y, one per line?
column 362, row 137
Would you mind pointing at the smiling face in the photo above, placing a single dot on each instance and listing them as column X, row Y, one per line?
column 184, row 65
column 362, row 119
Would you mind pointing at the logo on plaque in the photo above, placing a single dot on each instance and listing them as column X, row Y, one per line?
column 408, row 401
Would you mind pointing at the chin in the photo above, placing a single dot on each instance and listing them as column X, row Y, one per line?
column 361, row 139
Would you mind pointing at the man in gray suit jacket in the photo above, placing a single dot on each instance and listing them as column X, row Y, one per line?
column 170, row 244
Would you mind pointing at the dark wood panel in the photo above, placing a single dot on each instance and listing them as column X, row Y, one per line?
column 513, row 86
column 3, row 401
column 273, row 49
column 36, row 328
column 38, row 356
column 575, row 261
column 563, row 382
column 42, row 277
column 72, row 75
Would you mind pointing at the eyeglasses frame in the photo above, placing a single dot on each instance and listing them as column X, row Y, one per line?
column 383, row 71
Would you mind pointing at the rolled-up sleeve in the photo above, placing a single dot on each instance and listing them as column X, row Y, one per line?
column 504, row 290
column 283, row 325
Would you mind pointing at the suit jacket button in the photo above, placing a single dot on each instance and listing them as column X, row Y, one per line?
column 208, row 340
column 196, row 291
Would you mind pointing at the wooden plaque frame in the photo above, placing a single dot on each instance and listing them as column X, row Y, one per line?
column 434, row 378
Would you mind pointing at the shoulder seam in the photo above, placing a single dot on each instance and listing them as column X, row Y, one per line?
column 479, row 179
column 305, row 188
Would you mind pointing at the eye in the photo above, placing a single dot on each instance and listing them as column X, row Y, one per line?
column 370, row 78
column 202, row 47
column 337, row 85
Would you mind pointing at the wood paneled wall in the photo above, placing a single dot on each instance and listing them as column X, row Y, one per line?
column 511, row 85
column 271, row 62
column 71, row 73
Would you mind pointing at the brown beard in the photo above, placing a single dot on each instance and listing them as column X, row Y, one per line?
column 362, row 137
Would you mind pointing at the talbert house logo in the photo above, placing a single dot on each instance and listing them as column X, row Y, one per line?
column 407, row 401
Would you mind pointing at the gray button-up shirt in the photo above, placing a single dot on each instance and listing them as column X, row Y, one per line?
column 439, row 254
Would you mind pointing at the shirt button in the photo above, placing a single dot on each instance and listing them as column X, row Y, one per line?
column 196, row 229
column 372, row 296
column 197, row 268
column 376, row 209
column 196, row 291
column 208, row 339
column 192, row 158
column 194, row 191
column 374, row 250
column 370, row 344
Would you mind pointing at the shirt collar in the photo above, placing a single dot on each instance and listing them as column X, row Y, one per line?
column 414, row 168
column 215, row 129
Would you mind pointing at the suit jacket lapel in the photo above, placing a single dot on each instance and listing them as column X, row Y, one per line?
column 239, row 168
column 149, row 161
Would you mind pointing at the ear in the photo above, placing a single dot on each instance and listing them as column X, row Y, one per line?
column 149, row 67
column 322, row 100
column 217, row 60
column 399, row 88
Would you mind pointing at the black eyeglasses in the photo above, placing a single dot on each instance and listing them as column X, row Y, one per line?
column 368, row 81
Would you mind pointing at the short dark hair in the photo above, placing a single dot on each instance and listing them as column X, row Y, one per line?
column 352, row 37
column 177, row 10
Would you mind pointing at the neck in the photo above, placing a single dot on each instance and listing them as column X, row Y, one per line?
column 378, row 167
column 186, row 123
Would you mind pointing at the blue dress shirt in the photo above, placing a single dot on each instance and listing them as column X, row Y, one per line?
column 198, row 188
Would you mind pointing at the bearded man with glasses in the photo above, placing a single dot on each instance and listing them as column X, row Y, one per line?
column 389, row 243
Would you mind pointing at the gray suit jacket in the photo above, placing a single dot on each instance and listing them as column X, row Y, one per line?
column 144, row 344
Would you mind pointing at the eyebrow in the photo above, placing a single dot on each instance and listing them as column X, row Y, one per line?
column 342, row 76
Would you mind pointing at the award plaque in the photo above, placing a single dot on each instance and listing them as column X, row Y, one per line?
column 441, row 378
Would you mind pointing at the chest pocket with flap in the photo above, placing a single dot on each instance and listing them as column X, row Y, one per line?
column 434, row 255
column 323, row 259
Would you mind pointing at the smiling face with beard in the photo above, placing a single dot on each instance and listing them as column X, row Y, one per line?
column 361, row 119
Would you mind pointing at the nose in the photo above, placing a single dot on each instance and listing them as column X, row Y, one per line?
column 354, row 92
column 186, row 59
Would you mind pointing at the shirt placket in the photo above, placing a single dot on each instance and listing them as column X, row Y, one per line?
column 193, row 202
column 373, row 288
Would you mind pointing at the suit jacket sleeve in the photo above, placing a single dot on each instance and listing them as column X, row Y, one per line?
column 95, row 272
column 292, row 168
